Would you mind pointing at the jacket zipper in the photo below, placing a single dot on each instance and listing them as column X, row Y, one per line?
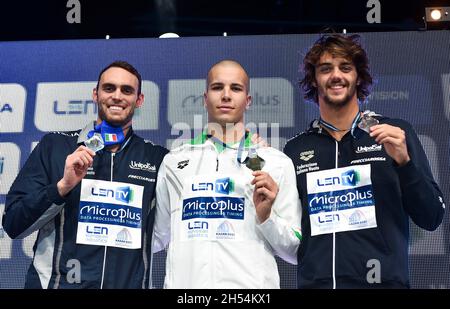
column 334, row 209
column 106, row 248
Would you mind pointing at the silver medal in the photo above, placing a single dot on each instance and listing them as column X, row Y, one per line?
column 95, row 143
column 366, row 122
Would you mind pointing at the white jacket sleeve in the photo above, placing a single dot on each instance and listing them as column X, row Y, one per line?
column 282, row 228
column 161, row 228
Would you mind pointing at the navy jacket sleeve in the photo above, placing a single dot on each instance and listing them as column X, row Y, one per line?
column 33, row 198
column 421, row 195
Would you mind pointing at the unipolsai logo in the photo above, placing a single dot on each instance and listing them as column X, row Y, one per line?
column 374, row 147
column 142, row 166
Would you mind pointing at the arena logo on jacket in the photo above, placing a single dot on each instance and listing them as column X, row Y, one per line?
column 307, row 166
column 212, row 209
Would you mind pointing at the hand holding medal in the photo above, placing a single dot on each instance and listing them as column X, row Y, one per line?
column 95, row 143
column 366, row 122
column 254, row 162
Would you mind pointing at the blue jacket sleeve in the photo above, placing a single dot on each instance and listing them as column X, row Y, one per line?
column 422, row 198
column 33, row 199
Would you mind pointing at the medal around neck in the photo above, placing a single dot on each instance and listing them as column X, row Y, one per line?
column 95, row 143
column 254, row 162
column 367, row 122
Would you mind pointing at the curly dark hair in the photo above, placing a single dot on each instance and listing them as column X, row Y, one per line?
column 338, row 45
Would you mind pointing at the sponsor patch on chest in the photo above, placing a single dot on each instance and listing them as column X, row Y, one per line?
column 363, row 149
column 307, row 155
column 308, row 167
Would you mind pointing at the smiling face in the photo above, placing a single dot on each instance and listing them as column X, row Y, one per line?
column 117, row 96
column 226, row 98
column 336, row 79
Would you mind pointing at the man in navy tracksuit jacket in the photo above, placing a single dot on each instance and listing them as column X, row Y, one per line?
column 93, row 209
column 360, row 177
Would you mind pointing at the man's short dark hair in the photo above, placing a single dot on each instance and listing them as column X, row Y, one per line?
column 338, row 45
column 126, row 66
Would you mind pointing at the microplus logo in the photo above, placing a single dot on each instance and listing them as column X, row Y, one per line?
column 349, row 178
column 341, row 199
column 223, row 186
column 112, row 214
column 213, row 207
column 123, row 194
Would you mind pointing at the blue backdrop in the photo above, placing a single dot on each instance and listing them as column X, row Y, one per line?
column 47, row 86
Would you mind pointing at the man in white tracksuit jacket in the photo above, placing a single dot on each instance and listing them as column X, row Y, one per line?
column 224, row 222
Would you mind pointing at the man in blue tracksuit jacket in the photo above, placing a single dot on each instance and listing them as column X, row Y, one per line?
column 360, row 177
column 92, row 204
